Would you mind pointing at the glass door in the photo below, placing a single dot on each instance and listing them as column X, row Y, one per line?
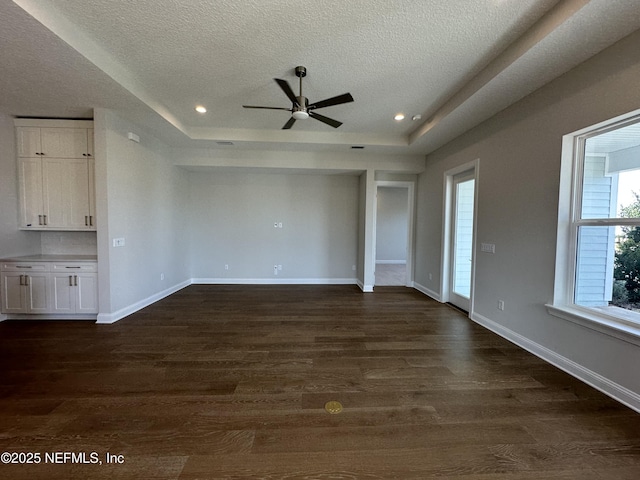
column 463, row 195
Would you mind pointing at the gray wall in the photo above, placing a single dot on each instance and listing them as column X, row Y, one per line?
column 232, row 217
column 141, row 197
column 391, row 224
column 519, row 151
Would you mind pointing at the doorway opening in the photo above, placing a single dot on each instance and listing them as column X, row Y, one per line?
column 393, row 233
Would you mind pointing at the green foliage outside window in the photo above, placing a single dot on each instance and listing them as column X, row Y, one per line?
column 627, row 261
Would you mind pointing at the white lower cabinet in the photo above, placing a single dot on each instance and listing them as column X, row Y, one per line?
column 75, row 288
column 25, row 290
column 49, row 288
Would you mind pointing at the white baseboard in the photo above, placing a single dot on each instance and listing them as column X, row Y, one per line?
column 391, row 262
column 50, row 316
column 428, row 292
column 363, row 287
column 274, row 281
column 107, row 318
column 623, row 395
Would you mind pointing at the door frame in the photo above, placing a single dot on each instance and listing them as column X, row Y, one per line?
column 447, row 229
column 410, row 186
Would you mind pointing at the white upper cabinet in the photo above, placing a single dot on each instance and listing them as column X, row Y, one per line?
column 29, row 143
column 64, row 142
column 56, row 174
column 54, row 142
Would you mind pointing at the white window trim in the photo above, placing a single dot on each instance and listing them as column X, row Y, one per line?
column 563, row 305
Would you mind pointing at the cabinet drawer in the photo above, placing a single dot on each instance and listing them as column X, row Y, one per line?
column 74, row 267
column 24, row 266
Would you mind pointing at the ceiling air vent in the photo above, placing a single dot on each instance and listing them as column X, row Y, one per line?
column 357, row 147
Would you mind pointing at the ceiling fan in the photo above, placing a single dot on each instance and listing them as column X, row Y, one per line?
column 300, row 108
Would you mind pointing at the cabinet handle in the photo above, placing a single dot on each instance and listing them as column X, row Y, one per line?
column 72, row 267
column 71, row 280
column 91, row 220
column 21, row 280
column 84, row 154
column 75, row 280
column 45, row 220
column 24, row 266
column 86, row 221
column 39, row 219
column 26, row 280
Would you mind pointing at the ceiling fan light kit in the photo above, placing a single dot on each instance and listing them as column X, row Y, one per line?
column 300, row 107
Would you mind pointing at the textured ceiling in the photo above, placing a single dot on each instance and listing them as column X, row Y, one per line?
column 455, row 62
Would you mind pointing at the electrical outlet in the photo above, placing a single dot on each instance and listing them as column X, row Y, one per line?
column 226, row 267
column 275, row 269
column 118, row 242
column 500, row 304
column 162, row 276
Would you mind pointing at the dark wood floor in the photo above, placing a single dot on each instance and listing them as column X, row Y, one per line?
column 231, row 382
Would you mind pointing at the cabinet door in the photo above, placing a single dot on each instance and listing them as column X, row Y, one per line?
column 31, row 199
column 66, row 193
column 28, row 141
column 13, row 293
column 78, row 204
column 37, row 293
column 90, row 142
column 92, row 193
column 64, row 142
column 64, row 292
column 86, row 293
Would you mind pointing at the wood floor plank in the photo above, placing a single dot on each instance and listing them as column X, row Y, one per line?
column 231, row 382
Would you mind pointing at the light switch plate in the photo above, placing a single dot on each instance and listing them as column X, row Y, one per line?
column 488, row 247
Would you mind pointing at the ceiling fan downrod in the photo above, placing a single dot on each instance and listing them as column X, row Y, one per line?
column 299, row 111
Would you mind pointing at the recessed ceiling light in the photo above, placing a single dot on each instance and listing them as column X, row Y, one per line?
column 201, row 109
column 399, row 116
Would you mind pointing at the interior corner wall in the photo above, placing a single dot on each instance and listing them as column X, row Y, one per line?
column 520, row 152
column 141, row 198
column 13, row 242
column 243, row 223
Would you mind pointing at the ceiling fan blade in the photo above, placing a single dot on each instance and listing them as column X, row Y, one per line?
column 267, row 108
column 284, row 85
column 327, row 120
column 344, row 98
column 289, row 124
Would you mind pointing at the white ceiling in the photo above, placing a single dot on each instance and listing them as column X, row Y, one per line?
column 455, row 62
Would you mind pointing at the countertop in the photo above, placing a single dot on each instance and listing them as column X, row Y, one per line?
column 52, row 258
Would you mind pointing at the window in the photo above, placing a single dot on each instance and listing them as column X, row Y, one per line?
column 598, row 254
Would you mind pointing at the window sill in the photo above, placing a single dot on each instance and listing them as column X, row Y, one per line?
column 626, row 331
